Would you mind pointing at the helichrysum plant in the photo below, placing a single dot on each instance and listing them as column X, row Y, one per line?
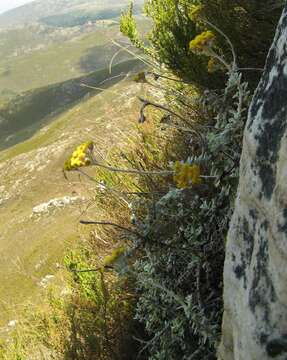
column 80, row 157
column 202, row 43
column 186, row 174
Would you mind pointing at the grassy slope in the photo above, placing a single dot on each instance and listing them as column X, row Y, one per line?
column 31, row 171
column 27, row 113
column 30, row 247
column 58, row 62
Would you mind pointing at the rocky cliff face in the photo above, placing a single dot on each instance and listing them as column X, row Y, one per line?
column 255, row 274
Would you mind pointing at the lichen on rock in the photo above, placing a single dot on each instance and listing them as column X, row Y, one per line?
column 255, row 288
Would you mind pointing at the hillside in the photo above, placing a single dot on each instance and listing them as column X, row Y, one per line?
column 39, row 9
column 29, row 50
column 44, row 112
column 80, row 55
column 27, row 113
column 36, row 233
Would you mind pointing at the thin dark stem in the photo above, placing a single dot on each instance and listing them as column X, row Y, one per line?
column 229, row 156
column 108, row 223
column 92, row 270
column 133, row 171
column 150, row 103
column 156, row 76
column 227, row 172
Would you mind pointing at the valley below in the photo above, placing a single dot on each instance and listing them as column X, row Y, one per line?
column 45, row 112
column 39, row 208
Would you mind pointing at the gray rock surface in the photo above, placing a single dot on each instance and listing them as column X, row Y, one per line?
column 255, row 273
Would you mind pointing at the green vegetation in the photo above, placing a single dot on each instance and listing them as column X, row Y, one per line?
column 84, row 324
column 145, row 280
column 175, row 25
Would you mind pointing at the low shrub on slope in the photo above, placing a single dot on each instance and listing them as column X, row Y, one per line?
column 166, row 195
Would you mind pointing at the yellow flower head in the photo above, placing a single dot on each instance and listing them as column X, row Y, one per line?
column 195, row 12
column 114, row 256
column 213, row 65
column 210, row 65
column 202, row 42
column 186, row 175
column 80, row 157
column 140, row 77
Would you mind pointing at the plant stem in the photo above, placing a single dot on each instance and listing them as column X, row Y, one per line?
column 108, row 223
column 133, row 171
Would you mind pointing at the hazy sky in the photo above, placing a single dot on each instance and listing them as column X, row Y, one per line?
column 10, row 4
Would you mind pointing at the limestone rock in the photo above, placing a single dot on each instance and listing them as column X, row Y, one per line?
column 53, row 204
column 255, row 273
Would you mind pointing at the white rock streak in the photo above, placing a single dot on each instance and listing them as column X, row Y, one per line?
column 55, row 204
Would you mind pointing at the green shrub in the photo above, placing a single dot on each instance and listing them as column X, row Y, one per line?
column 180, row 268
column 175, row 265
column 249, row 25
column 169, row 40
column 179, row 273
column 100, row 312
column 129, row 28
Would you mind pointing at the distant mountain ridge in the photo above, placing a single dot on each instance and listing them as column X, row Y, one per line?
column 38, row 9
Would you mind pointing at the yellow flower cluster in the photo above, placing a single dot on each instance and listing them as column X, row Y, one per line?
column 186, row 175
column 140, row 77
column 116, row 253
column 195, row 12
column 80, row 156
column 211, row 66
column 202, row 42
